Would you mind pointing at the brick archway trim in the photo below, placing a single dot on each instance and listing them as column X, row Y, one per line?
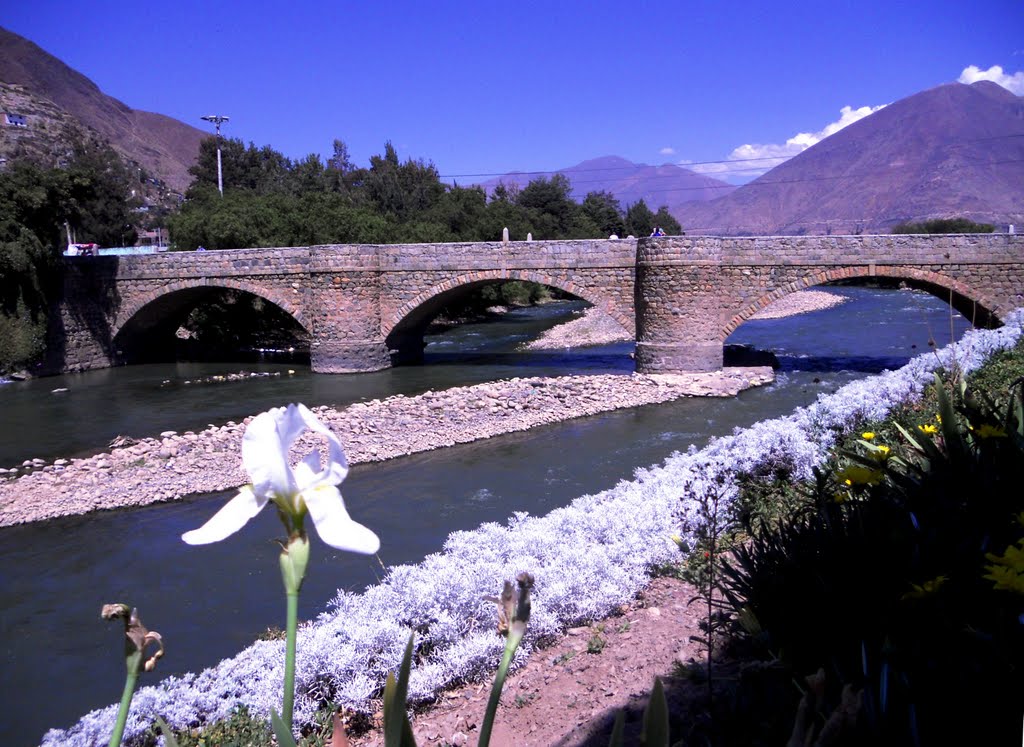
column 844, row 273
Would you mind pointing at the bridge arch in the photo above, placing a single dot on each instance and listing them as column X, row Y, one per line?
column 148, row 319
column 403, row 330
column 423, row 305
column 182, row 288
column 972, row 305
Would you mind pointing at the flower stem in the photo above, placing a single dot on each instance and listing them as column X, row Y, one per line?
column 511, row 644
column 126, row 702
column 289, row 658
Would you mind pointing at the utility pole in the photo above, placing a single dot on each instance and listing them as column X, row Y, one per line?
column 217, row 120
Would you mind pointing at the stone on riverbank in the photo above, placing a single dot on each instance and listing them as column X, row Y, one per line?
column 173, row 466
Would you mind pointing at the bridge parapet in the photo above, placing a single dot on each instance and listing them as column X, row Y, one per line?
column 223, row 263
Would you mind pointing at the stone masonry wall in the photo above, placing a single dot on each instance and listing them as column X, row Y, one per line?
column 682, row 295
column 692, row 292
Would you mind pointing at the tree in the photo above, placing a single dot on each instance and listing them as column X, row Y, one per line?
column 94, row 195
column 401, row 190
column 667, row 222
column 29, row 231
column 307, row 175
column 603, row 209
column 260, row 170
column 639, row 219
column 550, row 197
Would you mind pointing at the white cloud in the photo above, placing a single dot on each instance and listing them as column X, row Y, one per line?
column 1012, row 83
column 668, row 150
column 754, row 159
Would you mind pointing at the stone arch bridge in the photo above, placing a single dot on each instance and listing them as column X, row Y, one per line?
column 366, row 306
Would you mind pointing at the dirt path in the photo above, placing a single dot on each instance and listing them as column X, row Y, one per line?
column 569, row 693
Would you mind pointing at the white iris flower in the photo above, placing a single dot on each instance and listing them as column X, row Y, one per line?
column 295, row 491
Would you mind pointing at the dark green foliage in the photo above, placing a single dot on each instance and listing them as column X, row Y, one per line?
column 883, row 580
column 89, row 194
column 243, row 729
column 240, row 729
column 515, row 293
column 27, row 274
column 604, row 212
column 639, row 219
column 944, row 225
column 999, row 374
column 240, row 321
column 95, row 196
column 270, row 200
column 663, row 218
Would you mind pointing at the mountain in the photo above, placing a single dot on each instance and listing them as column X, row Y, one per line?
column 630, row 182
column 162, row 146
column 954, row 150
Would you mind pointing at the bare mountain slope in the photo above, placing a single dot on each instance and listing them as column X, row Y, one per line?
column 163, row 146
column 954, row 150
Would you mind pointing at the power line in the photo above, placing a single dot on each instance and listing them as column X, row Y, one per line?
column 726, row 162
column 771, row 182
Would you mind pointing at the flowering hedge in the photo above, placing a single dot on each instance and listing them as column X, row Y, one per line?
column 587, row 558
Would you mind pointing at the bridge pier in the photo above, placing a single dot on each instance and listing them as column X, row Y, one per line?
column 344, row 356
column 343, row 306
column 678, row 309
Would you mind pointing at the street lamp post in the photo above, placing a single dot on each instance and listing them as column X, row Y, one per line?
column 217, row 120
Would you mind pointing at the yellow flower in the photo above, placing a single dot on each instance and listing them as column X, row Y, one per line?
column 989, row 431
column 928, row 429
column 867, row 435
column 1005, row 579
column 925, row 589
column 881, row 452
column 1007, row 570
column 938, row 418
column 854, row 474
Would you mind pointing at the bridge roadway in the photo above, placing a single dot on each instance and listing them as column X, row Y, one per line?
column 367, row 306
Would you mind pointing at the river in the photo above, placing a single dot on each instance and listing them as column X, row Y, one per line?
column 59, row 660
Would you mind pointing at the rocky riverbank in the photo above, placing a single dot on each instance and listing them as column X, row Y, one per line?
column 174, row 465
column 800, row 303
column 593, row 327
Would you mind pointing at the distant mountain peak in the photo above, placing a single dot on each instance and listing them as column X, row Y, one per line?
column 953, row 150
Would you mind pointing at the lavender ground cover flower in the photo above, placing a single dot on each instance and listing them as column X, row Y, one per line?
column 587, row 558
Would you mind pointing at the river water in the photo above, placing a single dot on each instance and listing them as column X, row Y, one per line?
column 59, row 660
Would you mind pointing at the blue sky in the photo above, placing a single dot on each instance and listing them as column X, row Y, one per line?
column 491, row 87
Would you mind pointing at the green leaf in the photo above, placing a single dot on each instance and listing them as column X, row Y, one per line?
column 397, row 729
column 618, row 738
column 910, row 439
column 168, row 735
column 655, row 731
column 281, row 731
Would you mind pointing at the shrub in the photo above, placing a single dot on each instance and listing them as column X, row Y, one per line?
column 883, row 580
column 944, row 225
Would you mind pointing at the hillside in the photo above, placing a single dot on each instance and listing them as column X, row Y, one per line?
column 162, row 146
column 630, row 182
column 954, row 150
column 49, row 130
